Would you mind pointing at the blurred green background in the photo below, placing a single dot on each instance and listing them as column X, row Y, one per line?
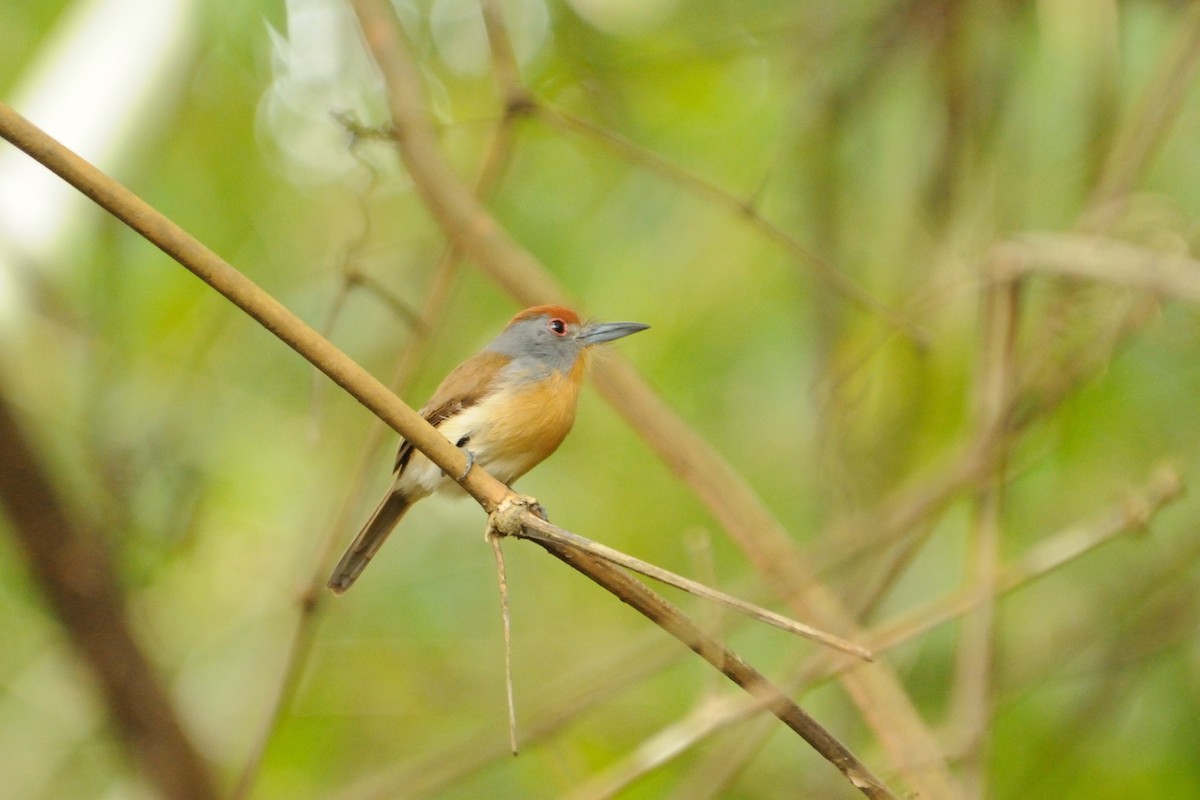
column 899, row 141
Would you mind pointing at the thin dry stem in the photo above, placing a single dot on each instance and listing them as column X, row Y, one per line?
column 1131, row 515
column 667, row 744
column 504, row 60
column 876, row 690
column 1080, row 256
column 546, row 532
column 743, row 209
column 491, row 168
column 1158, row 109
column 971, row 692
column 489, row 492
column 1099, row 259
column 506, row 621
column 729, row 663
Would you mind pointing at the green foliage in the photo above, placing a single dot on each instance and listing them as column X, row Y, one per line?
column 899, row 142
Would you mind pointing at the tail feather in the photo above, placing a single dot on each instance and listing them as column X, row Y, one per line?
column 368, row 541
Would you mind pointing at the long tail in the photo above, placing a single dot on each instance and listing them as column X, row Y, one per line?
column 368, row 541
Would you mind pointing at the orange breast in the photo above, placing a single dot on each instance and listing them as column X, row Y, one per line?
column 530, row 421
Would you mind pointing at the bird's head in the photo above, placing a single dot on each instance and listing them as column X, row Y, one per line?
column 553, row 337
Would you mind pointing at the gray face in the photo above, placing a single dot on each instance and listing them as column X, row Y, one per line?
column 536, row 350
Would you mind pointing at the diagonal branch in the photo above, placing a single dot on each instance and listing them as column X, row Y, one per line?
column 543, row 532
column 490, row 493
column 491, row 169
column 514, row 519
column 875, row 688
column 1132, row 515
column 1158, row 110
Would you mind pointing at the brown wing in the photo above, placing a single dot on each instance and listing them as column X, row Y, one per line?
column 466, row 385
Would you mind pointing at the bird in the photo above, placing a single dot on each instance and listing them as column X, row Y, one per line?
column 508, row 408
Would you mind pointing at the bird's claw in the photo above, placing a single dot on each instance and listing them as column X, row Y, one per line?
column 470, row 454
column 470, row 463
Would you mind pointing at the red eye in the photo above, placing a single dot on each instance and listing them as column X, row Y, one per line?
column 557, row 326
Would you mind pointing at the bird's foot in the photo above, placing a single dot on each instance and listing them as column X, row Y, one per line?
column 470, row 463
column 469, row 453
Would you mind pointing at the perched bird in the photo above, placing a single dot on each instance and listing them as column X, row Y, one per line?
column 509, row 407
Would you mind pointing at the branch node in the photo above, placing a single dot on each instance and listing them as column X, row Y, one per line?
column 508, row 518
column 520, row 103
column 308, row 600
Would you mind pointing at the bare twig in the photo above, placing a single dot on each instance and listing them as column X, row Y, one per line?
column 743, row 209
column 445, row 276
column 656, row 750
column 1069, row 255
column 518, row 99
column 875, row 689
column 504, row 60
column 514, row 519
column 1159, row 107
column 487, row 491
column 412, row 318
column 971, row 694
column 1100, row 259
column 1131, row 515
column 242, row 292
column 545, row 532
column 506, row 621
